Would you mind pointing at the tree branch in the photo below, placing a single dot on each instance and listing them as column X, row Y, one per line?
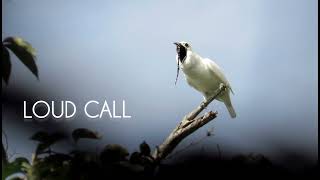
column 189, row 124
column 192, row 144
column 4, row 155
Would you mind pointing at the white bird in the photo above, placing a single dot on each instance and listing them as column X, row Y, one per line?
column 203, row 75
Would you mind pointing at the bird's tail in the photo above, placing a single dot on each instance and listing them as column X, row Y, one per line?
column 230, row 108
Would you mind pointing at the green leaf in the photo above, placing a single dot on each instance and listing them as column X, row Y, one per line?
column 14, row 167
column 21, row 160
column 52, row 167
column 84, row 133
column 5, row 65
column 145, row 149
column 24, row 51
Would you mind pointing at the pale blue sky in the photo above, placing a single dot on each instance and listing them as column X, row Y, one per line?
column 123, row 50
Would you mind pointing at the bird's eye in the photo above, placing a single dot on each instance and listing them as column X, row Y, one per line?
column 187, row 45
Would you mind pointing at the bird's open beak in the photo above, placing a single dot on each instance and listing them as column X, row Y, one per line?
column 176, row 43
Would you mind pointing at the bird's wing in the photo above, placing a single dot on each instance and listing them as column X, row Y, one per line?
column 217, row 72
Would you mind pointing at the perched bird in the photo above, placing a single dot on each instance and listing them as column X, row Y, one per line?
column 203, row 75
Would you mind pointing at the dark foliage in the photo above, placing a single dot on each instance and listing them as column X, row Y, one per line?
column 84, row 133
column 23, row 50
column 114, row 161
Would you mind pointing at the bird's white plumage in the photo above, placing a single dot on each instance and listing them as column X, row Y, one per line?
column 205, row 76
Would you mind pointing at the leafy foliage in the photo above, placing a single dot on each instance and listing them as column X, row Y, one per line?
column 55, row 166
column 16, row 166
column 23, row 50
column 46, row 140
column 113, row 153
column 5, row 65
column 84, row 133
column 112, row 161
column 145, row 149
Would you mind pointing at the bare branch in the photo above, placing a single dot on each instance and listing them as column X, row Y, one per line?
column 192, row 144
column 189, row 124
column 204, row 104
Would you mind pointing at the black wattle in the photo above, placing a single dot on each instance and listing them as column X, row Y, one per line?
column 182, row 53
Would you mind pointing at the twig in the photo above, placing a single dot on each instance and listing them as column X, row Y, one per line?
column 189, row 124
column 204, row 104
column 191, row 144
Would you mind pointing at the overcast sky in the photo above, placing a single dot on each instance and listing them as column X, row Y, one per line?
column 119, row 50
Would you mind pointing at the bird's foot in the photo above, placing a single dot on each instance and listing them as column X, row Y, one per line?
column 222, row 87
column 203, row 104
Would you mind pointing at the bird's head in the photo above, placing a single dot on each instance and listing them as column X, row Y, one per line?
column 182, row 49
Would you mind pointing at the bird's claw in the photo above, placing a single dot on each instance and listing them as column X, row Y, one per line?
column 222, row 86
column 203, row 103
